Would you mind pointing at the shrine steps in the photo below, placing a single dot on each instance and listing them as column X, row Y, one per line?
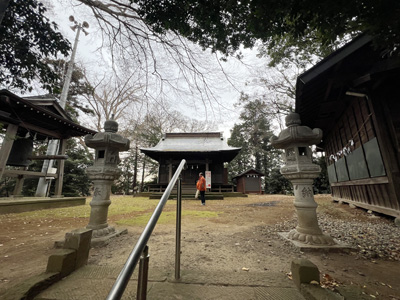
column 187, row 196
column 190, row 196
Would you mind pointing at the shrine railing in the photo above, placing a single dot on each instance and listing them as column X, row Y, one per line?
column 140, row 251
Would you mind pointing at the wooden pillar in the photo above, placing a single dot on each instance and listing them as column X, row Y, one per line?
column 169, row 170
column 159, row 173
column 6, row 146
column 18, row 186
column 60, row 170
column 207, row 165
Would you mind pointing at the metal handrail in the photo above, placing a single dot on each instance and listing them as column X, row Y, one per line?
column 122, row 280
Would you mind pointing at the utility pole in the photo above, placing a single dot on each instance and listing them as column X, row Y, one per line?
column 52, row 148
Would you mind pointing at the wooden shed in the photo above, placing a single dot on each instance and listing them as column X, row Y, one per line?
column 249, row 182
column 353, row 96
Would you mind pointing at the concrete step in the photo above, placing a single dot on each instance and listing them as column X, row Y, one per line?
column 94, row 282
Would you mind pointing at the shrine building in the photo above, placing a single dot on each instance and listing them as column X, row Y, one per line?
column 25, row 122
column 353, row 96
column 205, row 151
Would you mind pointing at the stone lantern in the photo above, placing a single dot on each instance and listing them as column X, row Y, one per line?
column 300, row 171
column 104, row 171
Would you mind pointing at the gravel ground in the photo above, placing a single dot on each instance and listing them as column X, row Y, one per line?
column 373, row 236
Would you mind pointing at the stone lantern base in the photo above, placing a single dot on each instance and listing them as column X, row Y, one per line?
column 101, row 237
column 312, row 239
column 335, row 247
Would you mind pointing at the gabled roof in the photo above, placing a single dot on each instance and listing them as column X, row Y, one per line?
column 250, row 171
column 183, row 144
column 43, row 118
column 49, row 102
column 324, row 91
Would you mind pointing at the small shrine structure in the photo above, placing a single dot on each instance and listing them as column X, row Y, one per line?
column 30, row 119
column 352, row 95
column 204, row 151
column 249, row 182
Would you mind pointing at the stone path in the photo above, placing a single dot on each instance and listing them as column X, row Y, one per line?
column 94, row 282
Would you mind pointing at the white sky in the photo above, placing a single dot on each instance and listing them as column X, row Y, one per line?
column 225, row 114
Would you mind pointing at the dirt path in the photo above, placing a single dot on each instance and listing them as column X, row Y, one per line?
column 233, row 235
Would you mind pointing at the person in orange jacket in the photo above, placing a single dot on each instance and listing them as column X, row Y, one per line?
column 201, row 186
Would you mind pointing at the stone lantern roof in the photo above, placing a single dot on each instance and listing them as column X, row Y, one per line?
column 295, row 134
column 109, row 137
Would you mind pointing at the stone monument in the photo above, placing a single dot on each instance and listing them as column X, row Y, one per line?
column 104, row 171
column 300, row 171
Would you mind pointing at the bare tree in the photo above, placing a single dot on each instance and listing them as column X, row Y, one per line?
column 275, row 87
column 113, row 97
column 169, row 66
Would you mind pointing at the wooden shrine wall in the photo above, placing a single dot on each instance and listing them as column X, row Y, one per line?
column 356, row 168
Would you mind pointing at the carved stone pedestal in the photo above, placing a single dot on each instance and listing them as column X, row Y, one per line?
column 307, row 230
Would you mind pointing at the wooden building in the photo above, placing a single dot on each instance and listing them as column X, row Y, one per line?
column 353, row 96
column 205, row 151
column 29, row 120
column 249, row 182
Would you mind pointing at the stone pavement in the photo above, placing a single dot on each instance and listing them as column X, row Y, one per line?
column 94, row 282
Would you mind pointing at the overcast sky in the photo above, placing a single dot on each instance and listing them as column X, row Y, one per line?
column 97, row 61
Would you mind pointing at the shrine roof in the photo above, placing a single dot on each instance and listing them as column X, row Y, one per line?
column 41, row 116
column 178, row 144
column 354, row 70
column 250, row 171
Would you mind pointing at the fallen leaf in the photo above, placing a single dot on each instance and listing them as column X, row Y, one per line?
column 328, row 277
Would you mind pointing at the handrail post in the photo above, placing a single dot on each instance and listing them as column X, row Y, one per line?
column 121, row 282
column 143, row 274
column 178, row 230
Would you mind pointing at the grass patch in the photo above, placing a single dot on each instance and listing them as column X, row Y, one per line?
column 167, row 217
column 119, row 205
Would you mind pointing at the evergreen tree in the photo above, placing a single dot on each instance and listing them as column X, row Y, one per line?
column 321, row 183
column 27, row 37
column 76, row 181
column 78, row 87
column 253, row 134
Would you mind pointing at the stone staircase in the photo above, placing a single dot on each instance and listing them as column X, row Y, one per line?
column 187, row 196
column 190, row 196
